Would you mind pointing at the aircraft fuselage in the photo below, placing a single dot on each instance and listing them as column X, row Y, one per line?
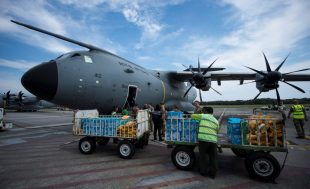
column 93, row 79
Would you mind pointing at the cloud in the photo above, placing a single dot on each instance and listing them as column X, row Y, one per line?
column 38, row 13
column 18, row 64
column 142, row 13
column 275, row 32
column 12, row 85
column 275, row 27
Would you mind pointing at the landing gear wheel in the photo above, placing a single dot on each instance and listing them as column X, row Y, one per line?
column 126, row 149
column 87, row 145
column 262, row 165
column 183, row 157
column 241, row 152
column 102, row 141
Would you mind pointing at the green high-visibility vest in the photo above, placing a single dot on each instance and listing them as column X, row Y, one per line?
column 208, row 127
column 298, row 112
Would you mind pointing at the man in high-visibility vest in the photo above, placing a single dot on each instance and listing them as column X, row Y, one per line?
column 207, row 137
column 299, row 117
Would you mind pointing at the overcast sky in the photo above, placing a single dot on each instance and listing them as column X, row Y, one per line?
column 163, row 35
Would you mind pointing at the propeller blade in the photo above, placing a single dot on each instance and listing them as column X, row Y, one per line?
column 257, row 95
column 267, row 63
column 278, row 97
column 294, row 87
column 188, row 90
column 260, row 72
column 200, row 95
column 278, row 68
column 189, row 68
column 296, row 71
column 199, row 71
column 216, row 91
column 209, row 67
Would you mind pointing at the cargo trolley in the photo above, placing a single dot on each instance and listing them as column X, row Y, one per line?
column 129, row 132
column 252, row 137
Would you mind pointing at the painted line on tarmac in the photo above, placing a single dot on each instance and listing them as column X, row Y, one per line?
column 106, row 180
column 97, row 163
column 51, row 125
column 93, row 171
column 36, row 117
column 172, row 182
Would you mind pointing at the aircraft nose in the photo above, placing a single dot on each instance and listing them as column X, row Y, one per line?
column 42, row 80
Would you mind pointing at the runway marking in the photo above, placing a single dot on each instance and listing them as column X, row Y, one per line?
column 51, row 125
column 247, row 184
column 113, row 160
column 106, row 180
column 37, row 117
column 110, row 153
column 11, row 141
column 172, row 182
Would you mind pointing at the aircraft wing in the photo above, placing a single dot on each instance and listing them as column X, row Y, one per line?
column 251, row 76
column 203, row 69
column 297, row 77
column 186, row 76
column 228, row 76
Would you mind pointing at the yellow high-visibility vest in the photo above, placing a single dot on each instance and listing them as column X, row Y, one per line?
column 298, row 112
column 208, row 127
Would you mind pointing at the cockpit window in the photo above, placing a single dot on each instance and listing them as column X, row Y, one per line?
column 63, row 56
column 88, row 59
column 75, row 55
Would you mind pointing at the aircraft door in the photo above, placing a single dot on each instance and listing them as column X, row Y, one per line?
column 131, row 96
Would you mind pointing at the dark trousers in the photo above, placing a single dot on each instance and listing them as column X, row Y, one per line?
column 157, row 130
column 299, row 126
column 207, row 158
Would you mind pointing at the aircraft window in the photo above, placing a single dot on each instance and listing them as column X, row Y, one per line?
column 75, row 55
column 88, row 59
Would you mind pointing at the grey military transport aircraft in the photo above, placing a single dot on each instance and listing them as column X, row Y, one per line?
column 20, row 102
column 100, row 79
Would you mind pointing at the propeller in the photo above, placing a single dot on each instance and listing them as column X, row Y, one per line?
column 198, row 79
column 271, row 78
column 7, row 97
column 19, row 98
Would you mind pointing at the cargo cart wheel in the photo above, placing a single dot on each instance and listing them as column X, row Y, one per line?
column 126, row 149
column 183, row 157
column 102, row 141
column 241, row 152
column 262, row 165
column 87, row 145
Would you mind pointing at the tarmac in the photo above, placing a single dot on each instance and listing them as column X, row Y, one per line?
column 40, row 152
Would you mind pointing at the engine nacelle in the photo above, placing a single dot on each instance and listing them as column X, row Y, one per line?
column 264, row 86
column 206, row 85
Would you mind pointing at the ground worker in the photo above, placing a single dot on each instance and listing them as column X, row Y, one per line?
column 158, row 122
column 207, row 137
column 198, row 108
column 299, row 117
